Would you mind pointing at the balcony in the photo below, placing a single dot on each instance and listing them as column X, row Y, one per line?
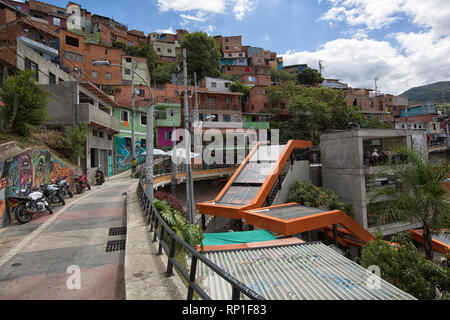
column 97, row 117
column 38, row 46
column 224, row 107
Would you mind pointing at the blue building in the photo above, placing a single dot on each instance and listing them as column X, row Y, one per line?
column 419, row 110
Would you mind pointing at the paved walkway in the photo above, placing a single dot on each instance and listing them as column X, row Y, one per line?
column 35, row 257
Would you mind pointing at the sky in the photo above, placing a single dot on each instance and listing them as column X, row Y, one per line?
column 401, row 43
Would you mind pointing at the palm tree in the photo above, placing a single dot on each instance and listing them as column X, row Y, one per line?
column 418, row 194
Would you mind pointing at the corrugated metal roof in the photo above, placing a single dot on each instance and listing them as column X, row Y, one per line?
column 310, row 271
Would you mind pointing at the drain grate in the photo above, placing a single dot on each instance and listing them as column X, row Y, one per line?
column 118, row 231
column 115, row 245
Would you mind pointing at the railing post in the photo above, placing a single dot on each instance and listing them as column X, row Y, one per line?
column 155, row 229
column 169, row 272
column 203, row 222
column 236, row 294
column 161, row 240
column 192, row 274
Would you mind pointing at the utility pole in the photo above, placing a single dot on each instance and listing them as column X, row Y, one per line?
column 133, row 114
column 187, row 141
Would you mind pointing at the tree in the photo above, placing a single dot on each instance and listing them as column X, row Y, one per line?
column 240, row 87
column 309, row 76
column 405, row 267
column 311, row 111
column 309, row 195
column 25, row 103
column 279, row 76
column 418, row 193
column 203, row 55
column 163, row 72
column 74, row 140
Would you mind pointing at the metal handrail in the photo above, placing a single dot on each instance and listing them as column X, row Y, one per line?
column 155, row 219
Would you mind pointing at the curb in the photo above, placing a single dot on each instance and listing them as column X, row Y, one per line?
column 145, row 277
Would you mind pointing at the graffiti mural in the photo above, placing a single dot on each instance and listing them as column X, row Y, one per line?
column 123, row 154
column 25, row 172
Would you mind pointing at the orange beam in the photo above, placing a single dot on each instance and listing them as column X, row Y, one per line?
column 437, row 245
column 303, row 224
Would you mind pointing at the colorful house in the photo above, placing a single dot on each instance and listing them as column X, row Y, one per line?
column 168, row 117
column 122, row 140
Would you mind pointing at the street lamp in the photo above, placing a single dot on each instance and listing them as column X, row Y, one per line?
column 150, row 111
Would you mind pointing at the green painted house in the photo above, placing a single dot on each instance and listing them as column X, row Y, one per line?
column 122, row 140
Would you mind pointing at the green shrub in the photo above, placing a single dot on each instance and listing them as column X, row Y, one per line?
column 309, row 195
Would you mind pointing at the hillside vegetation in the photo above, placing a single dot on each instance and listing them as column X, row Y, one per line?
column 432, row 92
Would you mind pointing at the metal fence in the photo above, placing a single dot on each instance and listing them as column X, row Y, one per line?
column 163, row 231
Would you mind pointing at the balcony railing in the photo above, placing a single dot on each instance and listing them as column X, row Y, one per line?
column 223, row 107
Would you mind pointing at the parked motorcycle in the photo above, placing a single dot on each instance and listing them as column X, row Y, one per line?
column 64, row 185
column 81, row 183
column 25, row 207
column 53, row 193
column 99, row 176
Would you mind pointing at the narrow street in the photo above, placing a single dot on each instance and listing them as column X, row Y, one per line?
column 39, row 260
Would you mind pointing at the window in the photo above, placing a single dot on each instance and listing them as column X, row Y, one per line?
column 30, row 65
column 94, row 74
column 101, row 134
column 95, row 133
column 161, row 115
column 228, row 100
column 211, row 102
column 127, row 71
column 108, row 76
column 240, row 54
column 110, row 136
column 229, row 68
column 227, row 40
column 226, row 118
column 57, row 21
column 213, row 84
column 251, row 79
column 141, row 93
column 73, row 56
column 130, row 43
column 255, row 70
column 128, row 59
column 51, row 78
column 124, row 116
column 128, row 142
column 236, row 48
column 144, row 143
column 227, row 84
column 227, row 47
column 143, row 120
column 71, row 41
column 230, row 55
column 158, row 49
column 169, row 50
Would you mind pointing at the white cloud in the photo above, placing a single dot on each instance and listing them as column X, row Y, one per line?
column 358, row 61
column 406, row 60
column 376, row 14
column 242, row 7
column 238, row 7
column 193, row 18
column 168, row 31
column 213, row 6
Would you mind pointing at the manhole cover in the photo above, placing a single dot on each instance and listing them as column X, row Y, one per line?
column 117, row 231
column 115, row 245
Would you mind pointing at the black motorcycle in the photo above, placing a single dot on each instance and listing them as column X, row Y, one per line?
column 25, row 207
column 53, row 193
column 99, row 177
column 64, row 185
